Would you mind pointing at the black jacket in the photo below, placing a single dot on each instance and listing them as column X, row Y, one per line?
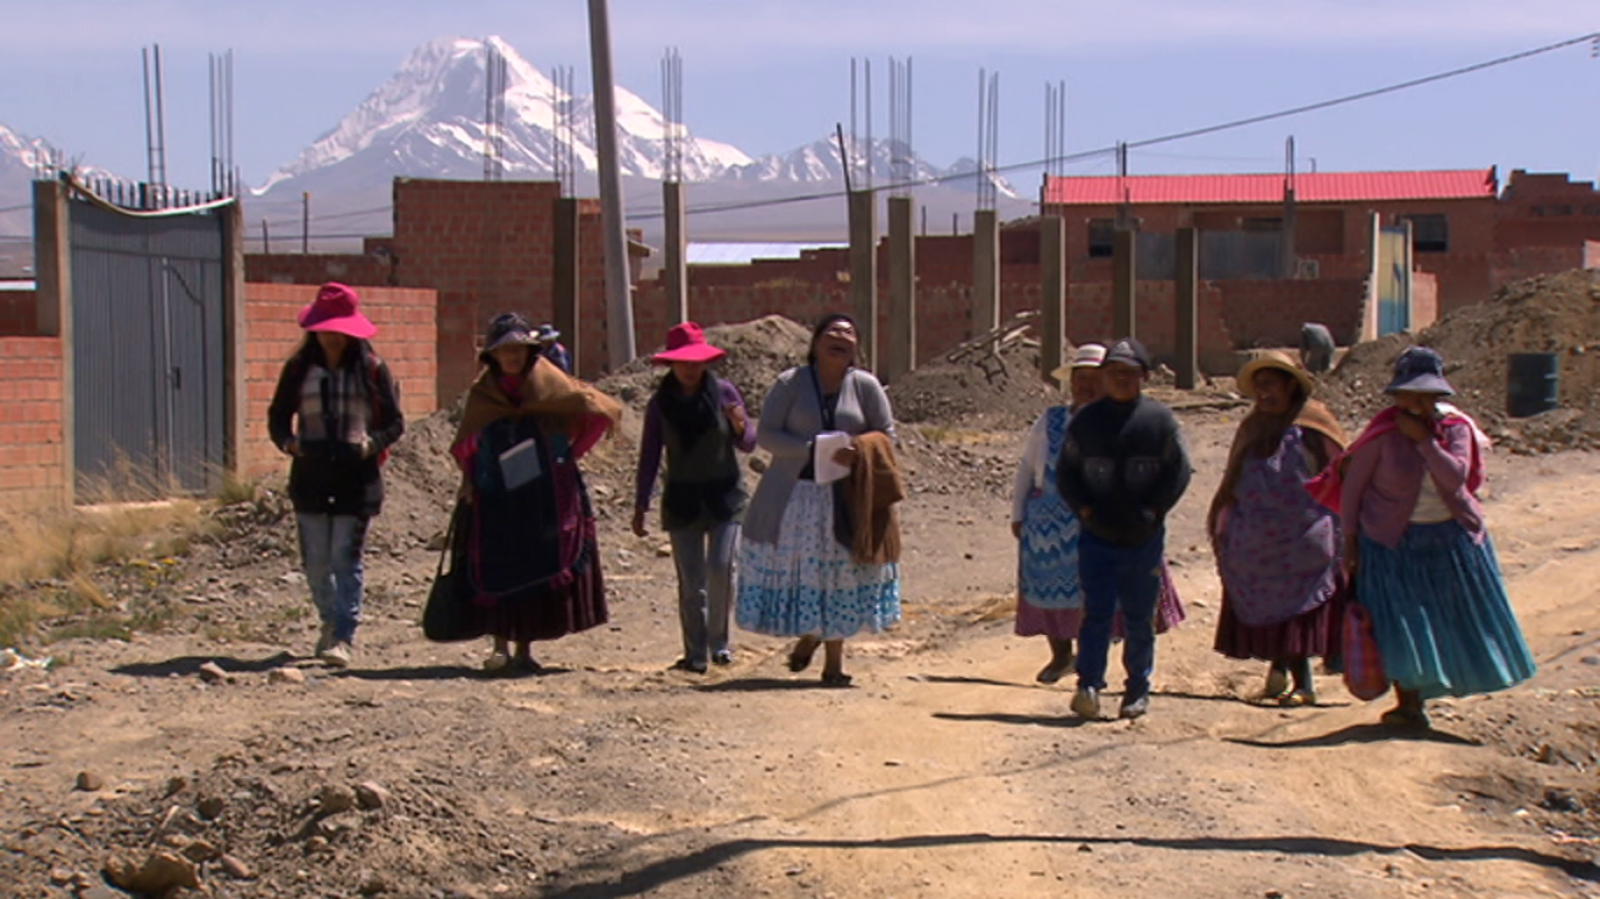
column 329, row 478
column 1126, row 464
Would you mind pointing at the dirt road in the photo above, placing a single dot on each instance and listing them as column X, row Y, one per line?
column 946, row 771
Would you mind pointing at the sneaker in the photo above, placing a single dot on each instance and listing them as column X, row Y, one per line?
column 496, row 662
column 1086, row 703
column 324, row 640
column 1134, row 708
column 338, row 655
column 722, row 657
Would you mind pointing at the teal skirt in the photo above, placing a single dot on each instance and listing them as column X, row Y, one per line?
column 1440, row 613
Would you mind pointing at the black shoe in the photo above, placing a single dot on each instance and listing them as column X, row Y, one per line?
column 697, row 666
column 1134, row 706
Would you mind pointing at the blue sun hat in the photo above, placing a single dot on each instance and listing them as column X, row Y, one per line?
column 1419, row 370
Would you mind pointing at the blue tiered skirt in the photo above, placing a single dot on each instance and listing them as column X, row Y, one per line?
column 1440, row 613
column 806, row 583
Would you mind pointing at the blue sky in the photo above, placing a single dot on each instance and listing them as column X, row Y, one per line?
column 770, row 76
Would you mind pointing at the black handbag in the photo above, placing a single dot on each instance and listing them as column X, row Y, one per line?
column 451, row 615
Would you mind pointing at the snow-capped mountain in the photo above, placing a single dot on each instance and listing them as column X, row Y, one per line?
column 818, row 162
column 427, row 120
column 21, row 159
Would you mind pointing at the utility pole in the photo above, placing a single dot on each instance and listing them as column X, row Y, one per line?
column 619, row 291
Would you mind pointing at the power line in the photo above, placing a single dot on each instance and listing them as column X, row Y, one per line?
column 1175, row 136
column 1366, row 95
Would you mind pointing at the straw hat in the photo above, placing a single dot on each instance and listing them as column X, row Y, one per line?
column 1279, row 360
column 1088, row 355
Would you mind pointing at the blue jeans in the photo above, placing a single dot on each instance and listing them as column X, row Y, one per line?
column 330, row 550
column 705, row 586
column 1125, row 576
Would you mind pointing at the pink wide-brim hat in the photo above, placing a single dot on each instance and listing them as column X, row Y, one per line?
column 335, row 310
column 687, row 343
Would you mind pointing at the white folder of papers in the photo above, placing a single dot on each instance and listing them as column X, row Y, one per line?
column 825, row 445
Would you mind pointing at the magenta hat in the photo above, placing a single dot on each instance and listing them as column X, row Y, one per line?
column 334, row 310
column 687, row 343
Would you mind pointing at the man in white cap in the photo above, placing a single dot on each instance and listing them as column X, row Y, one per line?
column 1123, row 467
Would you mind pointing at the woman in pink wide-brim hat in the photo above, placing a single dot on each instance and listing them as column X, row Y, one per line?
column 700, row 421
column 336, row 411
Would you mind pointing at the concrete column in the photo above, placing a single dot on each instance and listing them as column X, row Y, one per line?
column 564, row 286
column 52, row 272
column 1125, row 274
column 864, row 273
column 235, row 397
column 1052, row 296
column 619, row 286
column 1288, row 262
column 902, row 355
column 1186, row 299
column 985, row 271
column 677, row 269
column 1369, row 319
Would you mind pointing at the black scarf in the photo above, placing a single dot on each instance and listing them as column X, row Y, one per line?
column 693, row 415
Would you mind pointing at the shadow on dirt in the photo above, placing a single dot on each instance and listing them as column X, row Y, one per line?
column 184, row 666
column 762, row 684
column 446, row 672
column 1360, row 733
column 1065, row 719
column 658, row 874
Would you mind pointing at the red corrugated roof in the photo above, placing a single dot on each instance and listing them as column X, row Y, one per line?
column 1318, row 187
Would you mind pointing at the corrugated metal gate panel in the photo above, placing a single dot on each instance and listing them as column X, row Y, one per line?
column 147, row 304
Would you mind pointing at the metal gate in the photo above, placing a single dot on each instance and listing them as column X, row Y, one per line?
column 148, row 332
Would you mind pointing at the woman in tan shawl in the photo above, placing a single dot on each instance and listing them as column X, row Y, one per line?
column 1277, row 548
column 530, row 531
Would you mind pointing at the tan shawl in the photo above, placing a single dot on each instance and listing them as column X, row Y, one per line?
column 875, row 485
column 548, row 392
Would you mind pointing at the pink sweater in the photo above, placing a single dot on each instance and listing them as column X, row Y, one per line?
column 1384, row 479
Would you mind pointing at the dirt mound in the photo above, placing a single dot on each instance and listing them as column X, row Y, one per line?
column 948, row 393
column 1548, row 314
column 758, row 351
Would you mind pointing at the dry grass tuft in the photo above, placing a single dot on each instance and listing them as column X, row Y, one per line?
column 49, row 563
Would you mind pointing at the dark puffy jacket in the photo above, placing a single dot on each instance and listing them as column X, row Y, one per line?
column 332, row 478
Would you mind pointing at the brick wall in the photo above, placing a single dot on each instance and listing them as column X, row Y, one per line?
column 317, row 268
column 19, row 313
column 1424, row 300
column 1528, row 262
column 32, row 447
column 944, row 313
column 1269, row 313
column 407, row 340
column 486, row 248
column 1547, row 210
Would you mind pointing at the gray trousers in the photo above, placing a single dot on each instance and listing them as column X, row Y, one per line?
column 705, row 561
